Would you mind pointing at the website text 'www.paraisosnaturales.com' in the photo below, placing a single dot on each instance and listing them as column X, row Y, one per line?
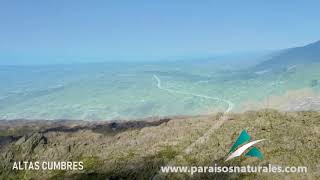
column 234, row 169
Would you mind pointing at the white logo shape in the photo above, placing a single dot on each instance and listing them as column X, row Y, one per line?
column 243, row 148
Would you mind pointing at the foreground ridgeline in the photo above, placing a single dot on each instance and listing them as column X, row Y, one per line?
column 138, row 149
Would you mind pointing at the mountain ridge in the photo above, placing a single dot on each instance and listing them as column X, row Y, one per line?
column 309, row 53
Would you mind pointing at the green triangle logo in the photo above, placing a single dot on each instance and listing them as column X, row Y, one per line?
column 243, row 144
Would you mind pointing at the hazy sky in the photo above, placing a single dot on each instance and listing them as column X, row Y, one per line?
column 75, row 31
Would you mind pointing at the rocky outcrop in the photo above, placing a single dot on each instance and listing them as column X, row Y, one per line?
column 34, row 141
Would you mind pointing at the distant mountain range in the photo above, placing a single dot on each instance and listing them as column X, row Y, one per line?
column 292, row 56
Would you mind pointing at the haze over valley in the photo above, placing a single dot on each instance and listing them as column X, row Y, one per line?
column 129, row 90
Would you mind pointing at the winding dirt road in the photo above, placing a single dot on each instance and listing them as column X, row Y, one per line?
column 214, row 126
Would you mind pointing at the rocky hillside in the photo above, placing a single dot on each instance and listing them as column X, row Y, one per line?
column 137, row 149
